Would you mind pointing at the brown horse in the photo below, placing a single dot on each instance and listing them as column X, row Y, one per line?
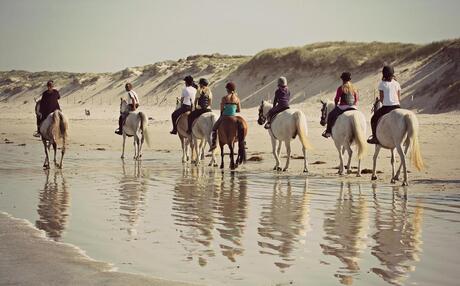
column 233, row 129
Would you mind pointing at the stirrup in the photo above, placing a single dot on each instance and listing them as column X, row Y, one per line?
column 326, row 134
column 37, row 134
column 173, row 132
column 373, row 140
column 267, row 125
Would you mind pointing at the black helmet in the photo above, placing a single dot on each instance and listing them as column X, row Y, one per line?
column 203, row 82
column 188, row 80
column 346, row 76
column 388, row 72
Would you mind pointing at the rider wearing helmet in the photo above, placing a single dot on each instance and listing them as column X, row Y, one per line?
column 133, row 104
column 346, row 98
column 229, row 106
column 390, row 96
column 281, row 102
column 48, row 104
column 203, row 100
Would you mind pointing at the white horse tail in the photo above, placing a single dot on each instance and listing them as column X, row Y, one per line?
column 358, row 136
column 301, row 126
column 412, row 135
column 63, row 126
column 144, row 124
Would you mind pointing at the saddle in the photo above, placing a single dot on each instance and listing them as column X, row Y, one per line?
column 276, row 114
column 183, row 114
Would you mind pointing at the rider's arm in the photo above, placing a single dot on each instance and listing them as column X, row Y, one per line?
column 276, row 98
column 337, row 96
column 238, row 106
column 381, row 95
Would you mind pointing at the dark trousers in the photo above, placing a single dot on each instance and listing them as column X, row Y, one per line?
column 379, row 113
column 121, row 120
column 275, row 110
column 175, row 115
column 194, row 115
column 332, row 118
column 217, row 123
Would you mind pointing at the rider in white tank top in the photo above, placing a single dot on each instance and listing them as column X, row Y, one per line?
column 390, row 92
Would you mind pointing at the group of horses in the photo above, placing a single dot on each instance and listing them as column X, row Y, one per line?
column 396, row 130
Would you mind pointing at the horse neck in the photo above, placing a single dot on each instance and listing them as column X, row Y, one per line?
column 124, row 107
column 266, row 107
column 330, row 106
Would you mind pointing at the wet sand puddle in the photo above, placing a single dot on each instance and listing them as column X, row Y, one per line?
column 199, row 224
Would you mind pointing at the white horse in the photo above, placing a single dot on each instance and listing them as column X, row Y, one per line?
column 182, row 127
column 53, row 130
column 135, row 124
column 398, row 127
column 285, row 127
column 201, row 134
column 349, row 129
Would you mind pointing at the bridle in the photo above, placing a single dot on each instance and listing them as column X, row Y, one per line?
column 262, row 118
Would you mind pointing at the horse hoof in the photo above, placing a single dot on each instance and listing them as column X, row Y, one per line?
column 396, row 178
column 221, row 167
column 285, row 169
column 358, row 175
column 215, row 165
column 373, row 178
column 393, row 181
column 122, row 157
column 305, row 170
column 405, row 184
column 349, row 172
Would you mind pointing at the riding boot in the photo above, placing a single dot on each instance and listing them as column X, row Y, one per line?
column 373, row 140
column 213, row 141
column 119, row 131
column 37, row 132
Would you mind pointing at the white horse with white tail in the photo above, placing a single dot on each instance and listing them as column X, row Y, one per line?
column 201, row 134
column 284, row 128
column 135, row 124
column 349, row 129
column 53, row 131
column 397, row 128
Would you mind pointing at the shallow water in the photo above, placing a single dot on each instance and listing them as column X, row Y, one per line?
column 161, row 218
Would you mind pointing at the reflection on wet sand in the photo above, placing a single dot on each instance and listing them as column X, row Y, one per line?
column 53, row 205
column 133, row 187
column 346, row 232
column 193, row 205
column 283, row 222
column 398, row 237
column 232, row 209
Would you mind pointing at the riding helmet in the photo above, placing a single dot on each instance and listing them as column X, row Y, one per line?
column 203, row 82
column 346, row 76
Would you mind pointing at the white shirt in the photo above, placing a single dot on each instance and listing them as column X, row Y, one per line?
column 390, row 92
column 188, row 95
column 132, row 97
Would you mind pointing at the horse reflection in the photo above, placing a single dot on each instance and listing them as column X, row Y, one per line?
column 398, row 238
column 284, row 222
column 232, row 207
column 345, row 227
column 133, row 188
column 193, row 204
column 53, row 205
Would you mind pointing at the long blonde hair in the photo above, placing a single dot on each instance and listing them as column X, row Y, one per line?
column 348, row 88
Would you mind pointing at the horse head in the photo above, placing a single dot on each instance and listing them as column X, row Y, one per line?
column 123, row 106
column 324, row 113
column 263, row 110
column 377, row 105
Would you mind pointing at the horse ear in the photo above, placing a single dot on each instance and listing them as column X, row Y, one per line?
column 322, row 102
column 121, row 99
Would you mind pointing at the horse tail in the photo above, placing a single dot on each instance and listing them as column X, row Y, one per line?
column 301, row 126
column 144, row 124
column 241, row 142
column 63, row 126
column 412, row 135
column 358, row 136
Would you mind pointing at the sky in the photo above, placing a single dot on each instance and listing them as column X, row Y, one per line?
column 107, row 36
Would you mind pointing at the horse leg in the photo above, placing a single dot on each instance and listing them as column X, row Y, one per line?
column 374, row 165
column 305, row 162
column 288, row 152
column 392, row 160
column 203, row 145
column 396, row 177
column 350, row 154
column 339, row 149
column 221, row 156
column 135, row 147
column 46, row 164
column 183, row 149
column 275, row 154
column 124, row 141
column 54, row 149
column 403, row 162
column 187, row 143
column 139, row 153
column 62, row 154
column 232, row 159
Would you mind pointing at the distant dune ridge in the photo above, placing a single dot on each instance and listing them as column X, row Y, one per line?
column 429, row 75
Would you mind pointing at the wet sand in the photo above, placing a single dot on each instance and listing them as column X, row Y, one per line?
column 160, row 218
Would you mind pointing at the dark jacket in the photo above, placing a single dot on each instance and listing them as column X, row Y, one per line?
column 282, row 96
column 49, row 102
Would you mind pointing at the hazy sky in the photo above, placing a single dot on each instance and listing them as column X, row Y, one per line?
column 96, row 35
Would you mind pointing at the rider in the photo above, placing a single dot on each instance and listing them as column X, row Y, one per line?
column 229, row 106
column 133, row 104
column 48, row 104
column 346, row 98
column 203, row 99
column 187, row 99
column 390, row 96
column 281, row 102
